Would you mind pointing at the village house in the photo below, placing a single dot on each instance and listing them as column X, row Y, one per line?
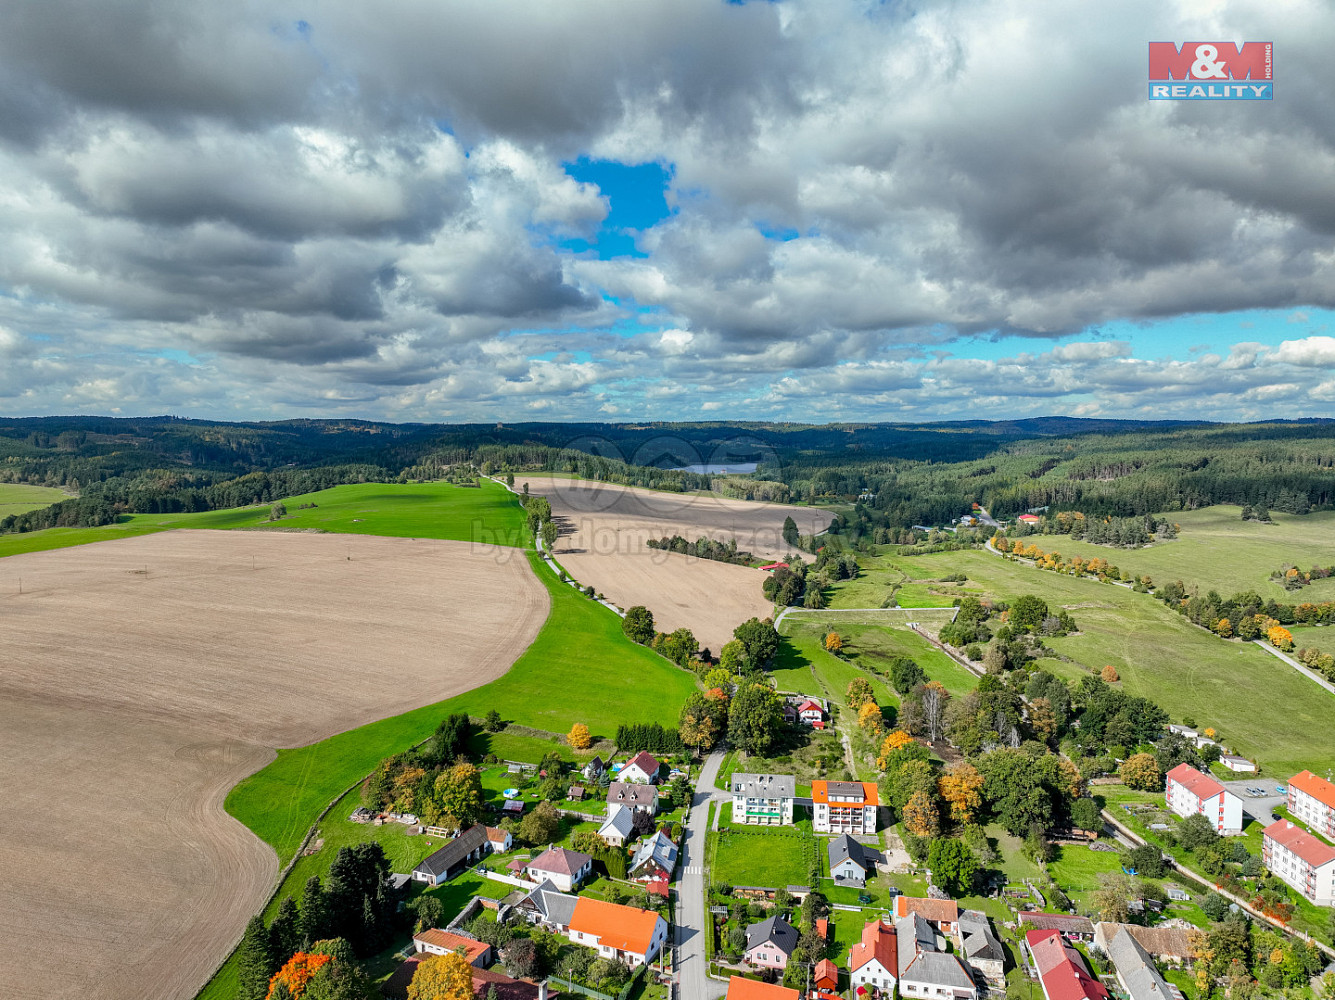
column 1187, row 791
column 654, row 859
column 642, row 769
column 770, row 943
column 826, row 975
column 1300, row 859
column 763, row 799
column 850, row 862
column 548, row 906
column 618, row 827
column 1235, row 763
column 499, row 840
column 441, row 866
column 1170, row 945
column 844, row 807
column 1072, row 928
column 594, row 769
column 1061, row 970
column 564, row 868
column 1136, row 971
column 438, row 942
column 741, row 988
column 940, row 913
column 1312, row 801
column 625, row 933
column 641, row 798
column 874, row 960
column 923, row 970
column 981, row 949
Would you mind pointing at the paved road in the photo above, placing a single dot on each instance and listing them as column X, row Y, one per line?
column 689, row 937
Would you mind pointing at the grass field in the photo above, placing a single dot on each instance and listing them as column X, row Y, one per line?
column 1217, row 549
column 18, row 498
column 1262, row 708
column 487, row 515
column 874, row 647
column 579, row 669
column 761, row 857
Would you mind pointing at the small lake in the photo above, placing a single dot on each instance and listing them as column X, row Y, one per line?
column 712, row 469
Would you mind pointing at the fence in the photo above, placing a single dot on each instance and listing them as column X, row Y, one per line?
column 589, row 991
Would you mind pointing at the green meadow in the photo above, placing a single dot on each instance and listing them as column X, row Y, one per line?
column 486, row 514
column 18, row 498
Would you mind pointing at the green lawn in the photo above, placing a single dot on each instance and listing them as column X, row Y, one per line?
column 19, row 498
column 487, row 515
column 580, row 668
column 1261, row 707
column 1077, row 870
column 801, row 648
column 746, row 856
column 1217, row 549
column 875, row 646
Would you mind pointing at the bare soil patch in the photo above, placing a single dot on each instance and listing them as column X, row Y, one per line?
column 140, row 679
column 605, row 529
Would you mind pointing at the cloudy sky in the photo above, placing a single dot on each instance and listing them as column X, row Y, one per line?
column 629, row 209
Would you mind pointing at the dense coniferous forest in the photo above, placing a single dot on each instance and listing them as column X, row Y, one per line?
column 891, row 476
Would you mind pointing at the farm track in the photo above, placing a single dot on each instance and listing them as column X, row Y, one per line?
column 132, row 702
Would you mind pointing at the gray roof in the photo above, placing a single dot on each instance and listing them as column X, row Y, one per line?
column 560, row 860
column 847, row 789
column 768, row 786
column 920, row 962
column 980, row 944
column 1136, row 969
column 630, row 794
column 775, row 930
column 620, row 819
column 454, row 852
column 843, row 848
column 552, row 905
column 656, row 848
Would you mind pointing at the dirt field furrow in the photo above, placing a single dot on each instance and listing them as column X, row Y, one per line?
column 604, row 537
column 140, row 679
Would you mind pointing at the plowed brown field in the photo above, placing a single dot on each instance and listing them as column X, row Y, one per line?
column 140, row 679
column 604, row 533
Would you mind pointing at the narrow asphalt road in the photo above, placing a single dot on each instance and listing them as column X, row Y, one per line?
column 689, row 934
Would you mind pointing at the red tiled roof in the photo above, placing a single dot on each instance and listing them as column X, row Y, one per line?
column 820, row 792
column 1059, row 966
column 646, row 762
column 1312, row 850
column 452, row 942
column 808, row 706
column 826, row 972
column 936, row 910
column 626, row 928
column 1200, row 785
column 823, row 928
column 754, row 989
column 560, row 860
column 506, row 988
column 878, row 942
column 1319, row 788
column 657, row 887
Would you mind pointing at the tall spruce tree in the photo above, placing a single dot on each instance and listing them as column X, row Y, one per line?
column 256, row 962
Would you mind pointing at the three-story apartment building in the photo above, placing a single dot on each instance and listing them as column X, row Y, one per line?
column 844, row 807
column 763, row 799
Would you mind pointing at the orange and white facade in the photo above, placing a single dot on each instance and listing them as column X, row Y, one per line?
column 1300, row 859
column 1312, row 800
column 625, row 933
column 844, row 807
column 1187, row 791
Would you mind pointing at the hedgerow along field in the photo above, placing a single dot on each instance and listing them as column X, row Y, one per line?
column 487, row 514
column 1217, row 549
column 1261, row 707
column 19, row 498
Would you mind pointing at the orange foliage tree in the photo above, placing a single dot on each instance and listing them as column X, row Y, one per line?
column 869, row 716
column 297, row 973
column 921, row 816
column 962, row 789
column 833, row 642
column 578, row 737
column 1109, row 674
column 1280, row 637
column 442, row 977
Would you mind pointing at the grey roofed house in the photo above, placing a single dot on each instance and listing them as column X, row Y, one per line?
column 620, row 821
column 845, row 848
column 1135, row 969
column 454, row 855
column 774, row 930
column 594, row 768
column 981, row 948
column 846, row 790
column 548, row 905
column 635, row 796
column 920, row 962
column 1168, row 944
column 764, row 786
column 657, row 851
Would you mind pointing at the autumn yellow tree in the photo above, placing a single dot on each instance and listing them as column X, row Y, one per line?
column 921, row 816
column 961, row 787
column 1209, row 732
column 578, row 737
column 859, row 693
column 1141, row 771
column 1109, row 674
column 297, row 973
column 833, row 642
column 869, row 717
column 442, row 977
column 1280, row 637
column 1224, row 628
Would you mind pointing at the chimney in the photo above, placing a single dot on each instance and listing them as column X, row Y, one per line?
column 542, row 990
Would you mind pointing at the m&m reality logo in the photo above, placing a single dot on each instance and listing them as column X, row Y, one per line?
column 1211, row 71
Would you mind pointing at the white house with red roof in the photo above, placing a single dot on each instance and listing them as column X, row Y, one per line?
column 642, row 769
column 1301, row 859
column 1312, row 800
column 1061, row 969
column 438, row 942
column 1187, row 791
column 874, row 960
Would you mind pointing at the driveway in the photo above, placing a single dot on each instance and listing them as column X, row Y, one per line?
column 689, row 935
column 1258, row 807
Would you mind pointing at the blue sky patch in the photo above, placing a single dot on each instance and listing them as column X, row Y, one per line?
column 637, row 196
